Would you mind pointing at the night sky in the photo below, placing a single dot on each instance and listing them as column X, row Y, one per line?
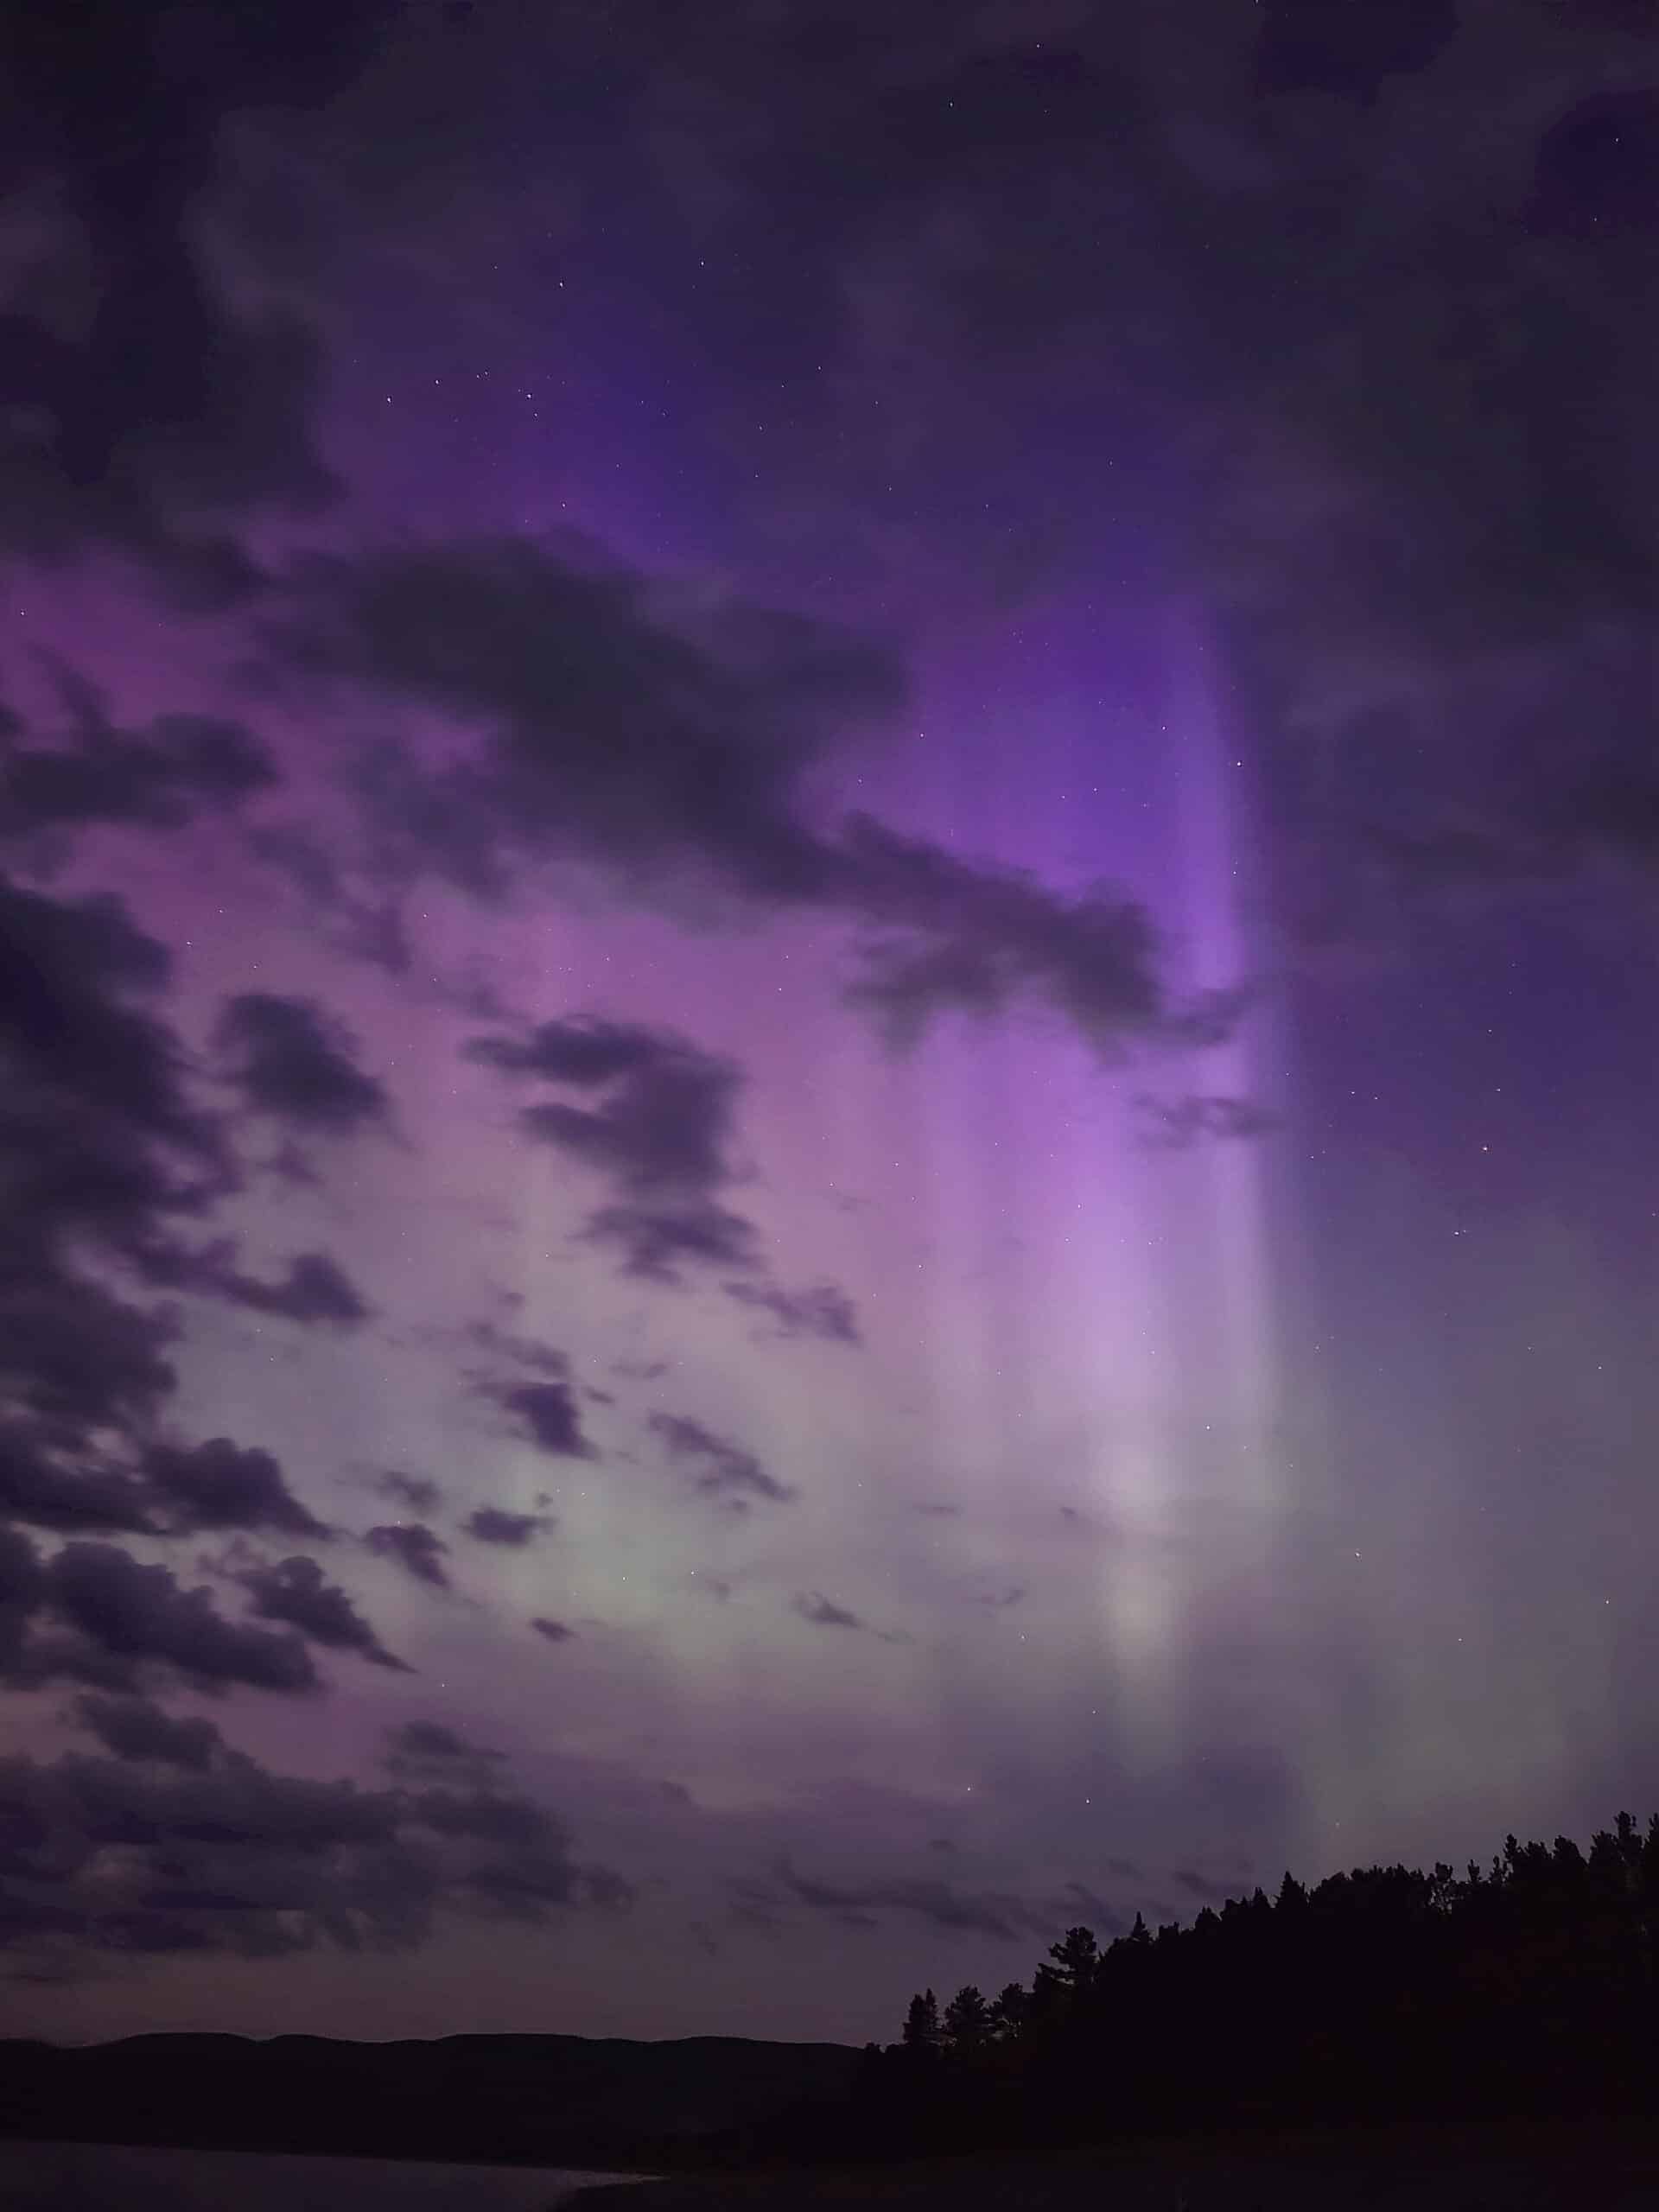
column 828, row 987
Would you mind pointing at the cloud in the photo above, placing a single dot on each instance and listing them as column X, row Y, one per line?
column 492, row 1524
column 105, row 1153
column 36, row 1488
column 101, row 1137
column 553, row 1631
column 726, row 1469
column 970, row 939
column 159, row 777
column 368, row 928
column 657, row 1133
column 137, row 1728
column 419, row 1550
column 295, row 1592
column 431, row 1746
column 144, row 1856
column 419, row 1492
column 291, row 1060
column 315, row 1289
column 626, row 729
column 814, row 1607
column 138, row 1616
column 667, row 1113
column 1177, row 1124
column 523, row 1352
column 1423, row 519
column 659, row 1130
column 104, row 1148
column 156, row 415
column 656, row 1241
column 549, row 1416
column 823, row 1311
column 218, row 1484
column 996, row 1913
column 22, row 1588
column 614, row 726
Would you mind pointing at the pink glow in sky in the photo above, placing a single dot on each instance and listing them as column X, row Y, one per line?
column 923, row 930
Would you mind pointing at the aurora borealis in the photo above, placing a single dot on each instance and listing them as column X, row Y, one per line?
column 860, row 1159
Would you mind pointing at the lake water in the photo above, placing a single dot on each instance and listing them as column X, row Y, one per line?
column 112, row 2178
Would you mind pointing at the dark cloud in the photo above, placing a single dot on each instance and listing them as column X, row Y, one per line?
column 315, row 1290
column 102, row 1153
column 99, row 1133
column 218, row 1484
column 369, row 928
column 823, row 1311
column 417, row 1548
column 957, row 937
column 657, row 1133
column 946, row 1905
column 40, row 1489
column 549, row 1416
column 667, row 747
column 660, row 1132
column 523, row 1352
column 553, row 1631
column 295, row 1592
column 615, row 726
column 492, row 1524
column 22, row 1588
column 1177, row 1124
column 657, row 1241
column 74, row 1358
column 422, row 1746
column 419, row 1492
column 492, row 1818
column 138, row 1855
column 154, row 414
column 1416, row 482
column 137, row 1616
column 137, row 1728
column 155, row 778
column 725, row 1470
column 814, row 1607
column 291, row 1060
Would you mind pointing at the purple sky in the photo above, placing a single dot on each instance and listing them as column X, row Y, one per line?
column 827, row 990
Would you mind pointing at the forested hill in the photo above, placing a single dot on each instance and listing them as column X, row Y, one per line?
column 1527, row 1986
column 541, row 2100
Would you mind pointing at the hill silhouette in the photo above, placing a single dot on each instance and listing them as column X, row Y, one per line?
column 570, row 2101
column 1528, row 1988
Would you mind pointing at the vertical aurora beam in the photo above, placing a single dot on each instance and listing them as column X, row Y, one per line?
column 1223, row 949
column 1201, row 1440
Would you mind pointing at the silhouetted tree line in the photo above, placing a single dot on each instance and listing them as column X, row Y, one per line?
column 1526, row 1988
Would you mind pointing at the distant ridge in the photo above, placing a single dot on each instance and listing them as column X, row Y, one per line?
column 572, row 2100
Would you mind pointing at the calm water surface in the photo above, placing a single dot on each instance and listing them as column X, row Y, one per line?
column 108, row 2178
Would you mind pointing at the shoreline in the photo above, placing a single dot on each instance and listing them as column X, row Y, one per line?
column 1474, row 2166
